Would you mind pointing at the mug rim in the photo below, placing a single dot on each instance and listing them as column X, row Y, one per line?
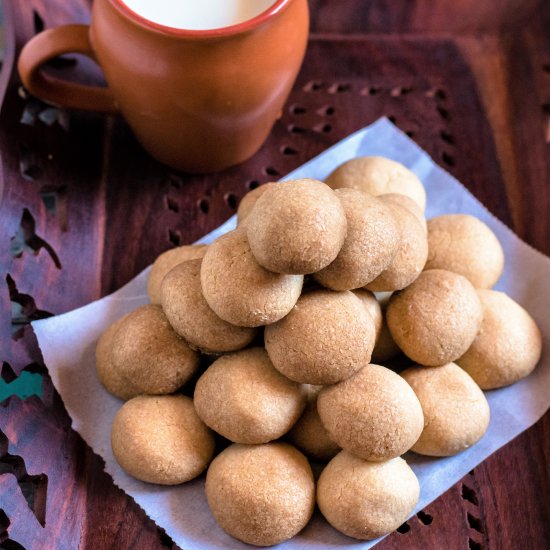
column 243, row 26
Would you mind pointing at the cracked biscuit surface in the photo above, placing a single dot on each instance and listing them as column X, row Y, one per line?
column 464, row 244
column 160, row 439
column 296, row 227
column 261, row 494
column 146, row 354
column 378, row 176
column 366, row 500
column 435, row 320
column 325, row 338
column 372, row 241
column 190, row 315
column 242, row 397
column 239, row 289
column 456, row 413
column 508, row 345
column 374, row 414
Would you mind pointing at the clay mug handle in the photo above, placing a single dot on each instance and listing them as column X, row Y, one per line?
column 50, row 44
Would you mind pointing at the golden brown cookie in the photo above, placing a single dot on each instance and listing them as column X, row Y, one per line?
column 384, row 346
column 324, row 339
column 378, row 176
column 261, row 494
column 369, row 301
column 456, row 413
column 191, row 316
column 409, row 204
column 366, row 500
column 465, row 245
column 508, row 345
column 372, row 241
column 242, row 397
column 239, row 289
column 167, row 261
column 411, row 255
column 149, row 356
column 296, row 227
column 112, row 379
column 160, row 439
column 309, row 434
column 373, row 414
column 249, row 200
column 435, row 320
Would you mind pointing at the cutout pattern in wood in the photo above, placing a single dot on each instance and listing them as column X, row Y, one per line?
column 546, row 106
column 404, row 528
column 26, row 239
column 476, row 537
column 23, row 308
column 165, row 540
column 38, row 22
column 409, row 528
column 5, row 542
column 174, row 237
column 33, row 487
column 29, row 166
column 425, row 519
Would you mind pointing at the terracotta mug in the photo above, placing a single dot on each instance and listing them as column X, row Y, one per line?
column 197, row 100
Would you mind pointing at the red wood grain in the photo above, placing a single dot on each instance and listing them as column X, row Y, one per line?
column 479, row 104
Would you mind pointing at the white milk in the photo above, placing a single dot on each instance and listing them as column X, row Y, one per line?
column 198, row 14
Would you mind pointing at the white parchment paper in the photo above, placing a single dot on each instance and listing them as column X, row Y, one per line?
column 68, row 343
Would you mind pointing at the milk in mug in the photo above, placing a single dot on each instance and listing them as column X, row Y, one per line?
column 198, row 14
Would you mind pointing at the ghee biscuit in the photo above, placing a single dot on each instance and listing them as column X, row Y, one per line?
column 296, row 227
column 456, row 413
column 384, row 346
column 411, row 256
column 249, row 200
column 239, row 289
column 191, row 317
column 366, row 500
column 378, row 176
column 409, row 204
column 242, row 397
column 309, row 435
column 374, row 414
column 150, row 355
column 160, row 439
column 112, row 379
column 372, row 241
column 261, row 494
column 508, row 345
column 325, row 338
column 435, row 320
column 167, row 261
column 465, row 245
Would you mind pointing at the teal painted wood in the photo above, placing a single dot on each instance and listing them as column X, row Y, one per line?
column 25, row 385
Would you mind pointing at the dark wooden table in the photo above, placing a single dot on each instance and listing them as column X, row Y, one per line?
column 83, row 209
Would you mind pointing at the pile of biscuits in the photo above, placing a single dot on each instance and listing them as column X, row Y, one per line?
column 268, row 345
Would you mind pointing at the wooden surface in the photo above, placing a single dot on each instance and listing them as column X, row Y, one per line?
column 83, row 209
